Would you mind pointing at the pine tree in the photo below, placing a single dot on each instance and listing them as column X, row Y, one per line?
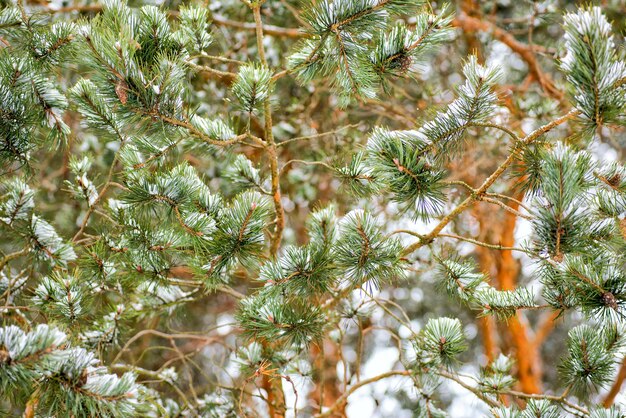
column 179, row 236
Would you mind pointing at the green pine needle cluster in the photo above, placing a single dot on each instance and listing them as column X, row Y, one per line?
column 593, row 67
column 357, row 45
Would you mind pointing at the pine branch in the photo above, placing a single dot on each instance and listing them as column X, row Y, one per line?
column 271, row 144
column 475, row 104
column 559, row 399
column 12, row 256
column 471, row 24
column 593, row 67
column 529, row 139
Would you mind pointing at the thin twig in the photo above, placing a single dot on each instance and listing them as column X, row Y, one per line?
column 321, row 135
column 323, row 164
column 12, row 256
column 342, row 399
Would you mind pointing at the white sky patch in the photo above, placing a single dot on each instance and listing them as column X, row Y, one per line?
column 381, row 361
column 603, row 151
column 223, row 322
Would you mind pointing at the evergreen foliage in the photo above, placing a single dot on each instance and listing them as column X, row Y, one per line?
column 157, row 197
column 593, row 67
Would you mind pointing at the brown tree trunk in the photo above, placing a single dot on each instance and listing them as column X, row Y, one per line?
column 526, row 353
column 275, row 396
column 487, row 328
column 327, row 391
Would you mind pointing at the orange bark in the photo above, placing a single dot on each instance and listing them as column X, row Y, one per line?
column 505, row 268
column 325, row 365
column 526, row 353
column 31, row 407
column 488, row 330
column 275, row 396
column 616, row 387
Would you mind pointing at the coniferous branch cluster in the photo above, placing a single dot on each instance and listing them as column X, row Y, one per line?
column 357, row 46
column 154, row 231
